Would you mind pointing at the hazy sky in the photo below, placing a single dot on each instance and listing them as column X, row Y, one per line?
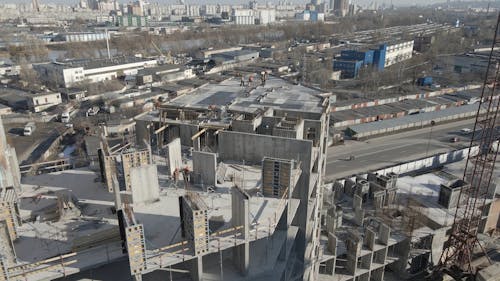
column 360, row 2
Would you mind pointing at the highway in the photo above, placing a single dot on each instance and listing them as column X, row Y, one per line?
column 380, row 152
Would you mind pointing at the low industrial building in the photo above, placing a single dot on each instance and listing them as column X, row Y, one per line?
column 163, row 74
column 79, row 37
column 35, row 101
column 390, row 126
column 475, row 62
column 398, row 52
column 41, row 101
column 69, row 73
column 350, row 61
column 236, row 56
column 348, row 69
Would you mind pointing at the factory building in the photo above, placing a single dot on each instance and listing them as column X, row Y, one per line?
column 350, row 61
column 69, row 73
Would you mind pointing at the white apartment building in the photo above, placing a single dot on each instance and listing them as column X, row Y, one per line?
column 209, row 10
column 193, row 10
column 267, row 16
column 244, row 16
column 225, row 8
column 398, row 52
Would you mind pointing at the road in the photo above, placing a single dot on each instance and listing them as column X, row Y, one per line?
column 377, row 153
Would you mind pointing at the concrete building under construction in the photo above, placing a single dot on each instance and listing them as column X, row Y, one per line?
column 242, row 191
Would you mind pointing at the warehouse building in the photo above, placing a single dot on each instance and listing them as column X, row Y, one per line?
column 70, row 72
column 362, row 131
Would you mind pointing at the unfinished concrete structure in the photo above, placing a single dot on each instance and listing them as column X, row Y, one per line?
column 366, row 235
column 266, row 145
column 9, row 214
column 389, row 226
column 130, row 170
column 194, row 222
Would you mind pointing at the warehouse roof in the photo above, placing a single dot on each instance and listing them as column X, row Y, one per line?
column 429, row 116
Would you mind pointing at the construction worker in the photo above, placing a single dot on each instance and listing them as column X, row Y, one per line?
column 176, row 175
column 263, row 77
column 186, row 173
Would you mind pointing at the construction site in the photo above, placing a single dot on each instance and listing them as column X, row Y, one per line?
column 227, row 182
column 212, row 186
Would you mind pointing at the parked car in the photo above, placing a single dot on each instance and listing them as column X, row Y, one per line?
column 29, row 129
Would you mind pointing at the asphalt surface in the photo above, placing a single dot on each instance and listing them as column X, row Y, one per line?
column 380, row 152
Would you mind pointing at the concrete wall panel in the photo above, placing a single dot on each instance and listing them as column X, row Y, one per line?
column 205, row 165
column 144, row 184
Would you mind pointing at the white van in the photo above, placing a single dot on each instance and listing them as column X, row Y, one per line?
column 29, row 129
column 65, row 117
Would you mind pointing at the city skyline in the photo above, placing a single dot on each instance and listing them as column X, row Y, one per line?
column 359, row 2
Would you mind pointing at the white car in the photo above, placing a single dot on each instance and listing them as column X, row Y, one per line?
column 465, row 131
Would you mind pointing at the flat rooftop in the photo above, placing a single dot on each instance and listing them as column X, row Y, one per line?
column 44, row 239
column 92, row 64
column 276, row 93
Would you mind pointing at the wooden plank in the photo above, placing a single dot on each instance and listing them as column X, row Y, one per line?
column 161, row 129
column 195, row 136
column 42, row 262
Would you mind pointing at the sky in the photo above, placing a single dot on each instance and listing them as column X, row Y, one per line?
column 360, row 2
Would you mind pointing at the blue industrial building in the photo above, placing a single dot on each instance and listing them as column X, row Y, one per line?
column 348, row 68
column 379, row 57
column 365, row 56
column 351, row 61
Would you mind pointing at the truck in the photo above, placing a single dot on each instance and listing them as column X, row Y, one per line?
column 424, row 81
column 65, row 117
column 93, row 111
column 29, row 129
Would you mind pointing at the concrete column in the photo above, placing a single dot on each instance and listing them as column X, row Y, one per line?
column 359, row 216
column 384, row 232
column 338, row 190
column 196, row 144
column 332, row 248
column 349, row 187
column 353, row 246
column 357, row 202
column 197, row 269
column 369, row 240
column 240, row 218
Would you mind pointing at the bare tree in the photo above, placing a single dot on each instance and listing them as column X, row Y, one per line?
column 28, row 74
